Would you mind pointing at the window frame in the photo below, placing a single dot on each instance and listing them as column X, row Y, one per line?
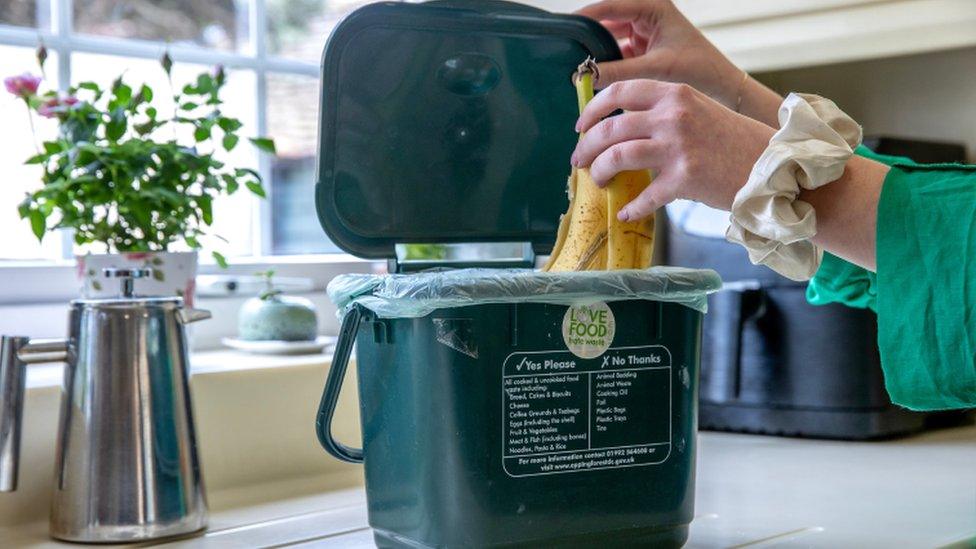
column 48, row 281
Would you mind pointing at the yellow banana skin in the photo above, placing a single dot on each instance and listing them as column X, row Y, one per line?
column 590, row 237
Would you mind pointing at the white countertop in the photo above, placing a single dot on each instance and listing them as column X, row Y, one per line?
column 751, row 490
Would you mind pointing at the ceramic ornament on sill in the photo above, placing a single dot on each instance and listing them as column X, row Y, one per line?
column 118, row 177
column 276, row 324
column 272, row 316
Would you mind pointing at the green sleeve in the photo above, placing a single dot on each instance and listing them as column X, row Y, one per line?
column 838, row 281
column 925, row 289
column 926, row 285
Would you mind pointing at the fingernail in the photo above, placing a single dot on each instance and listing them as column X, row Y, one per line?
column 622, row 215
column 579, row 124
column 574, row 160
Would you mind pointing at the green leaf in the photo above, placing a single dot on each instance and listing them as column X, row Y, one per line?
column 151, row 112
column 38, row 223
column 205, row 204
column 36, row 159
column 167, row 62
column 229, row 124
column 263, row 143
column 147, row 127
column 201, row 134
column 220, row 259
column 205, row 83
column 231, row 182
column 189, row 106
column 140, row 212
column 192, row 242
column 52, row 147
column 116, row 126
column 230, row 141
column 122, row 95
column 146, row 93
column 256, row 188
column 241, row 172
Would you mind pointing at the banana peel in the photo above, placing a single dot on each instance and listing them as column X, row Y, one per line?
column 590, row 237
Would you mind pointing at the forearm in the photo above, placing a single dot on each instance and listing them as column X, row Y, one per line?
column 847, row 212
column 759, row 102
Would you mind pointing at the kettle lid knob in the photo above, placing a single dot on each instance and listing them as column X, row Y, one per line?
column 128, row 275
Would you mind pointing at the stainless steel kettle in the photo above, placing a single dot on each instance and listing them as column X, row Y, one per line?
column 126, row 467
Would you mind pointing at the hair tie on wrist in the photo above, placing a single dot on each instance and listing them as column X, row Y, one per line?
column 811, row 149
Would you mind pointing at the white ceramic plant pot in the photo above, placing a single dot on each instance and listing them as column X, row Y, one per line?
column 174, row 273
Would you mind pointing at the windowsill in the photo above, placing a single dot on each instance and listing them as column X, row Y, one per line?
column 202, row 363
column 31, row 283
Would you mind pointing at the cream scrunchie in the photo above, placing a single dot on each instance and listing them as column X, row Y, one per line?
column 814, row 143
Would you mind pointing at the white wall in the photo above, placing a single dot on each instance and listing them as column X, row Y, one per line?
column 929, row 96
column 559, row 6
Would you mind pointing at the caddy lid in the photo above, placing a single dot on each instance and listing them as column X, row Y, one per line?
column 449, row 121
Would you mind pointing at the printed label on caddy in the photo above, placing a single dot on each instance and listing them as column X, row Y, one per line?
column 565, row 414
column 588, row 329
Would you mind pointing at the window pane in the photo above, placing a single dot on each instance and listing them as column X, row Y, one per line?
column 17, row 144
column 22, row 13
column 211, row 23
column 293, row 122
column 299, row 28
column 234, row 216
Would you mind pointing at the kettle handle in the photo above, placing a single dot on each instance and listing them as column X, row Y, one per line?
column 12, row 385
column 333, row 385
column 15, row 354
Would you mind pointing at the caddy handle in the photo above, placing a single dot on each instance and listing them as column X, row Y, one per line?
column 333, row 386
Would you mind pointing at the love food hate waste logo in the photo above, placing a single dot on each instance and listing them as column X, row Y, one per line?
column 588, row 329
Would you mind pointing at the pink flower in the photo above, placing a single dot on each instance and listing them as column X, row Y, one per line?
column 22, row 86
column 56, row 105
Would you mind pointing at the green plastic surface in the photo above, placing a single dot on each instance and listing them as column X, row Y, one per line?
column 466, row 446
column 449, row 122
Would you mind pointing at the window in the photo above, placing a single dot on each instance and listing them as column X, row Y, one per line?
column 271, row 51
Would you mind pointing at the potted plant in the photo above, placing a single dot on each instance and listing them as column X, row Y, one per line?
column 118, row 177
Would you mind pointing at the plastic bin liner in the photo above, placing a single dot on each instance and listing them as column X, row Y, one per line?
column 419, row 294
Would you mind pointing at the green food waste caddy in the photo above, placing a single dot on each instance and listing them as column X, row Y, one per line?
column 500, row 406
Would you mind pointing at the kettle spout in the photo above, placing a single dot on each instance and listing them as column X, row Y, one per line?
column 187, row 316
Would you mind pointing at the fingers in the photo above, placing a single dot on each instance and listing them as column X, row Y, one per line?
column 627, row 156
column 636, row 95
column 619, row 29
column 626, row 49
column 656, row 195
column 616, row 129
column 642, row 64
column 617, row 10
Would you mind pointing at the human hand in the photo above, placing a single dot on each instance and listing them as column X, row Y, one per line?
column 658, row 42
column 697, row 149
